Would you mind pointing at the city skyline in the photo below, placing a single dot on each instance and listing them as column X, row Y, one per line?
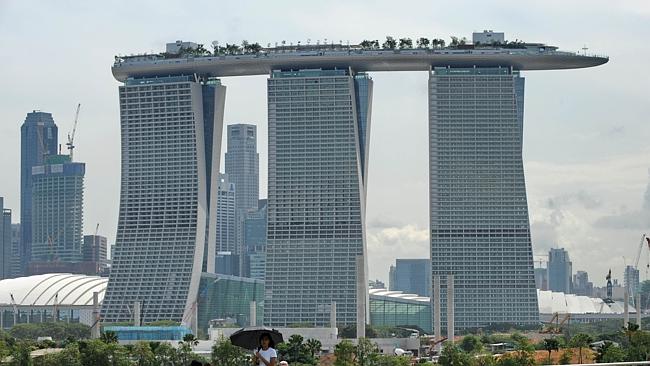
column 559, row 191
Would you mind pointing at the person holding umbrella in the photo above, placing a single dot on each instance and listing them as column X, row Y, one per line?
column 266, row 355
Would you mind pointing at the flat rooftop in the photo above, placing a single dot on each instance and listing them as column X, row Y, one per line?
column 533, row 57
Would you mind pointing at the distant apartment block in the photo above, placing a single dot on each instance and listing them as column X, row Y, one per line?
column 95, row 248
column 541, row 278
column 226, row 216
column 559, row 271
column 57, row 210
column 631, row 280
column 582, row 285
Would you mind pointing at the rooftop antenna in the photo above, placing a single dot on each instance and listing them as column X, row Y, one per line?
column 70, row 142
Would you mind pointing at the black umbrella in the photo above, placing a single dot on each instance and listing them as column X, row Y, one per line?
column 249, row 338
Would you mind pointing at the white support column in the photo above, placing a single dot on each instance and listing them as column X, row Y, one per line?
column 253, row 309
column 333, row 315
column 626, row 308
column 136, row 314
column 361, row 297
column 94, row 330
column 436, row 309
column 450, row 308
column 638, row 309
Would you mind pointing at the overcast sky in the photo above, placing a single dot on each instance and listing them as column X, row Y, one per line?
column 586, row 150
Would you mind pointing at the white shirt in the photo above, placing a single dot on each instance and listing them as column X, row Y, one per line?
column 268, row 355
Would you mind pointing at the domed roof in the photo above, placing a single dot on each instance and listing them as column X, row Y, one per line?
column 41, row 290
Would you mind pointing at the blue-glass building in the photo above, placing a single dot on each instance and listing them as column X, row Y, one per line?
column 412, row 276
column 38, row 139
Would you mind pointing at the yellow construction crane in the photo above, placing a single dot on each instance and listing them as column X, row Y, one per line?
column 70, row 143
column 555, row 325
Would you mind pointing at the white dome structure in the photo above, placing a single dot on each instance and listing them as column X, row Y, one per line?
column 35, row 297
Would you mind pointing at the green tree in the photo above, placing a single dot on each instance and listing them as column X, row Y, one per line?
column 226, row 354
column 391, row 360
column 581, row 340
column 452, row 355
column 405, row 43
column 566, row 357
column 610, row 352
column 314, row 346
column 525, row 351
column 471, row 344
column 366, row 44
column 644, row 289
column 165, row 354
column 191, row 340
column 630, row 330
column 344, row 352
column 109, row 337
column 58, row 331
column 21, row 355
column 639, row 348
column 550, row 345
column 390, row 43
column 143, row 355
column 423, row 42
column 366, row 352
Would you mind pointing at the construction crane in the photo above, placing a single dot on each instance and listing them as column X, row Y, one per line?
column 70, row 143
column 555, row 325
column 645, row 241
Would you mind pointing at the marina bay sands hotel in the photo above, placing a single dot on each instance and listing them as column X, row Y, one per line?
column 319, row 122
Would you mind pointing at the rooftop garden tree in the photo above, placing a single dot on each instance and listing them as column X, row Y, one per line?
column 405, row 43
column 423, row 42
column 390, row 43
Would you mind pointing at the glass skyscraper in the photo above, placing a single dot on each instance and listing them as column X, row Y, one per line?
column 243, row 169
column 38, row 139
column 479, row 223
column 319, row 124
column 57, row 210
column 412, row 276
column 6, row 265
column 171, row 142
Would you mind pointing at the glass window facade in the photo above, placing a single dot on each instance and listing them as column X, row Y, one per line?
column 222, row 297
column 396, row 312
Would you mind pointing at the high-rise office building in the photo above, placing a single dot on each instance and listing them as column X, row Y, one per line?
column 16, row 268
column 413, row 276
column 582, row 285
column 57, row 210
column 478, row 210
column 541, row 278
column 242, row 167
column 319, row 124
column 95, row 249
column 392, row 280
column 254, row 249
column 171, row 147
column 6, row 268
column 560, row 270
column 631, row 280
column 242, row 164
column 38, row 139
column 226, row 216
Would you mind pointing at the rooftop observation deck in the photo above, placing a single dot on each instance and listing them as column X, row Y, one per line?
column 532, row 57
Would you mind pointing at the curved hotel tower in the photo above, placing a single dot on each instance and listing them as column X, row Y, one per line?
column 319, row 107
column 171, row 143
